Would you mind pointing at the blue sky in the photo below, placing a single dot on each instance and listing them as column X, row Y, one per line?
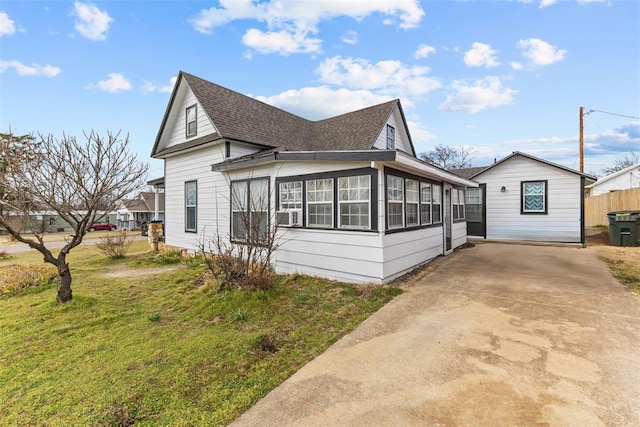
column 498, row 76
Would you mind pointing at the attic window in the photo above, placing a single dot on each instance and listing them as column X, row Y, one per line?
column 192, row 122
column 391, row 138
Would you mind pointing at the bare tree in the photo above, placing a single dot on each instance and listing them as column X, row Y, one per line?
column 449, row 157
column 79, row 182
column 241, row 257
column 629, row 159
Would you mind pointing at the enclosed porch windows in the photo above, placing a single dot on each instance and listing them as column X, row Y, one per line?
column 250, row 209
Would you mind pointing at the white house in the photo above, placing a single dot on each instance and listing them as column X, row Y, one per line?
column 624, row 179
column 132, row 213
column 522, row 197
column 353, row 200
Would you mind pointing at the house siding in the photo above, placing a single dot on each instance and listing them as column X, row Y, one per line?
column 504, row 219
column 175, row 129
column 350, row 256
column 406, row 250
column 401, row 137
column 630, row 179
column 213, row 196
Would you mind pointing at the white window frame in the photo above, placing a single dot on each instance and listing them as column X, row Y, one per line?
column 425, row 203
column 412, row 201
column 523, row 186
column 391, row 137
column 191, row 204
column 290, row 196
column 193, row 131
column 436, row 203
column 326, row 200
column 351, row 196
column 246, row 204
column 395, row 197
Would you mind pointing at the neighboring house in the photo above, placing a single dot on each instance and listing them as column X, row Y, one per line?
column 132, row 213
column 46, row 221
column 353, row 201
column 624, row 179
column 522, row 197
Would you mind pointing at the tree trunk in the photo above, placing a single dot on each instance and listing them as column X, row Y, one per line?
column 64, row 291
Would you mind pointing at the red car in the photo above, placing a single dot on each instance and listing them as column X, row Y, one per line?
column 102, row 225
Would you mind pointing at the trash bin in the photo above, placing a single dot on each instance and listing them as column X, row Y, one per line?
column 624, row 228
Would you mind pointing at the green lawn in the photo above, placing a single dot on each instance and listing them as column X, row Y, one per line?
column 161, row 349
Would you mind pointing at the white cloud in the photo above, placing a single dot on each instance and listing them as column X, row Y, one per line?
column 517, row 65
column 545, row 3
column 478, row 96
column 115, row 83
column 388, row 77
column 149, row 87
column 419, row 134
column 92, row 23
column 6, row 25
column 321, row 102
column 480, row 55
column 30, row 70
column 281, row 42
column 424, row 51
column 299, row 19
column 350, row 37
column 540, row 53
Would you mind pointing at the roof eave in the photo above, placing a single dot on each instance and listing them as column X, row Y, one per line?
column 537, row 159
column 306, row 156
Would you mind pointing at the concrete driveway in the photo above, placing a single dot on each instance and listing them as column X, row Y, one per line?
column 498, row 335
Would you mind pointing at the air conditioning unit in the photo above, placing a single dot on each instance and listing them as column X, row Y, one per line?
column 291, row 218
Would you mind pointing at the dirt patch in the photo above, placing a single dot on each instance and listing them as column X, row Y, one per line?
column 598, row 238
column 624, row 261
column 130, row 272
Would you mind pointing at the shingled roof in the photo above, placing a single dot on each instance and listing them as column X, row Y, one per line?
column 242, row 118
column 468, row 172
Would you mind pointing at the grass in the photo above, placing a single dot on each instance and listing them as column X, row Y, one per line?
column 623, row 261
column 161, row 349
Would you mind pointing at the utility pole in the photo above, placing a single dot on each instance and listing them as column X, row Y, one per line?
column 581, row 141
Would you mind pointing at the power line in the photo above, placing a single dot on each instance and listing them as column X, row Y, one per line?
column 612, row 114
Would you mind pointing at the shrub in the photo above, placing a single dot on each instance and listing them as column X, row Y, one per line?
column 115, row 245
column 168, row 257
column 16, row 277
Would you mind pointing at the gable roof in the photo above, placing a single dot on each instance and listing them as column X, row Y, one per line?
column 241, row 118
column 144, row 202
column 614, row 175
column 529, row 156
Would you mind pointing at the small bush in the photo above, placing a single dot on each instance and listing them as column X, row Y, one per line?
column 240, row 315
column 154, row 317
column 115, row 245
column 16, row 277
column 168, row 257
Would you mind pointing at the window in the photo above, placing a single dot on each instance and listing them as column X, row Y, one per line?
column 191, row 121
column 391, row 138
column 250, row 209
column 473, row 204
column 290, row 195
column 395, row 201
column 534, row 197
column 457, row 200
column 413, row 199
column 425, row 203
column 320, row 203
column 191, row 206
column 354, row 195
column 436, row 206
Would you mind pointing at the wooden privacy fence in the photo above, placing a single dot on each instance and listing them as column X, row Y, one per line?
column 597, row 207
